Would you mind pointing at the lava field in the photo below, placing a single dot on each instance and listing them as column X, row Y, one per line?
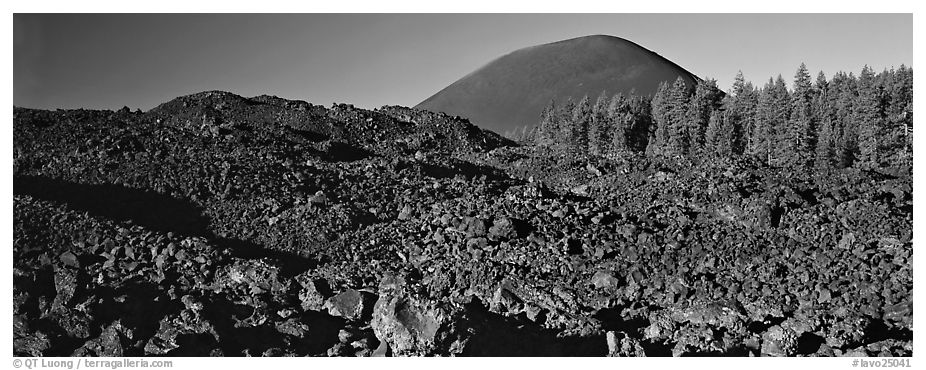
column 218, row 225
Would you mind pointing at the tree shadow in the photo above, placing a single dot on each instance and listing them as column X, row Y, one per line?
column 154, row 211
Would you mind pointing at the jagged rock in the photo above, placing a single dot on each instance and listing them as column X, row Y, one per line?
column 110, row 343
column 824, row 351
column 502, row 229
column 900, row 313
column 661, row 326
column 621, row 345
column 173, row 331
column 319, row 199
column 854, row 352
column 890, row 348
column 604, row 280
column 718, row 314
column 405, row 213
column 70, row 259
column 506, row 301
column 26, row 341
column 849, row 330
column 846, row 241
column 412, row 325
column 351, row 304
column 364, row 347
column 293, row 327
column 382, row 350
column 254, row 276
column 475, row 227
column 340, row 349
column 314, row 294
column 346, row 336
column 778, row 342
column 65, row 286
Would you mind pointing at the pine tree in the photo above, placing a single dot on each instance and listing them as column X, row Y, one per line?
column 678, row 138
column 641, row 125
column 740, row 113
column 764, row 130
column 548, row 127
column 713, row 135
column 660, row 111
column 746, row 104
column 758, row 137
column 566, row 125
column 705, row 100
column 900, row 114
column 530, row 135
column 597, row 129
column 845, row 88
column 739, row 84
column 824, row 153
column 618, row 129
column 781, row 110
column 581, row 117
column 772, row 112
column 799, row 134
column 869, row 119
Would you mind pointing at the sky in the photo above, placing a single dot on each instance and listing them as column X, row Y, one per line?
column 107, row 61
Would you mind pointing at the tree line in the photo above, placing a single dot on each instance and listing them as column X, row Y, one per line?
column 850, row 120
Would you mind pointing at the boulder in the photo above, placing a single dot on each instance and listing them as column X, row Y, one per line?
column 622, row 345
column 505, row 301
column 65, row 286
column 502, row 229
column 314, row 293
column 900, row 313
column 475, row 227
column 779, row 342
column 604, row 280
column 253, row 276
column 69, row 259
column 405, row 213
column 413, row 325
column 351, row 304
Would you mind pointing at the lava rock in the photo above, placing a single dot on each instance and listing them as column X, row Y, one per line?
column 173, row 333
column 351, row 304
column 475, row 227
column 314, row 294
column 604, row 280
column 254, row 276
column 412, row 325
column 70, row 259
column 292, row 327
column 779, row 342
column 622, row 345
column 502, row 229
column 318, row 199
column 65, row 286
column 405, row 213
column 506, row 301
column 109, row 344
column 900, row 313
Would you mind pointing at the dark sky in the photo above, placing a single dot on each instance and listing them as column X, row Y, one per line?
column 369, row 60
